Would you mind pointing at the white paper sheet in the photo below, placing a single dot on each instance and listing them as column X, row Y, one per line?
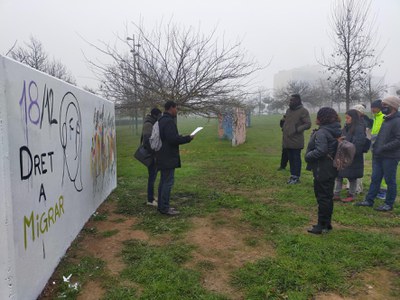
column 196, row 130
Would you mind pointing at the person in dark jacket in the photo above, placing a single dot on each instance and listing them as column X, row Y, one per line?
column 385, row 156
column 354, row 132
column 148, row 123
column 168, row 158
column 296, row 122
column 319, row 157
column 284, row 155
column 368, row 123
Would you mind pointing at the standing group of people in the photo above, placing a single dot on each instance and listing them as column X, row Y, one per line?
column 384, row 131
column 167, row 159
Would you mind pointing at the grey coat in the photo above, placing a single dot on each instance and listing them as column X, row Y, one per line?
column 296, row 122
column 148, row 123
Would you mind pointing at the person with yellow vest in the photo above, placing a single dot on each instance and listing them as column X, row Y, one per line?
column 378, row 118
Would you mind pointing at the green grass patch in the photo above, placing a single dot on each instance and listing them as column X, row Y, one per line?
column 109, row 233
column 159, row 271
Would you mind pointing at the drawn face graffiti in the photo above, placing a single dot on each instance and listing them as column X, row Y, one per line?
column 71, row 138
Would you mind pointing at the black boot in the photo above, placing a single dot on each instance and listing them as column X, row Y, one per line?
column 318, row 229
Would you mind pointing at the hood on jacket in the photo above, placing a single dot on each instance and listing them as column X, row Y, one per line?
column 395, row 115
column 150, row 118
column 334, row 128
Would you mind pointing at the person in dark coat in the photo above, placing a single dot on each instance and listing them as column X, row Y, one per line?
column 354, row 132
column 385, row 156
column 148, row 123
column 319, row 157
column 168, row 158
column 284, row 155
column 368, row 123
column 296, row 122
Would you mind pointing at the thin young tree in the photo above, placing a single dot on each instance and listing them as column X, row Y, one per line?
column 355, row 51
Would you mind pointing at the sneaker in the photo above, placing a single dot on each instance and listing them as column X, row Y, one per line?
column 384, row 207
column 170, row 212
column 349, row 198
column 336, row 198
column 293, row 180
column 364, row 203
column 318, row 229
column 381, row 195
column 152, row 203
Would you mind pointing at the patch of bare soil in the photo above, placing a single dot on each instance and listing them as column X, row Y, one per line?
column 224, row 244
column 108, row 249
column 91, row 291
column 377, row 286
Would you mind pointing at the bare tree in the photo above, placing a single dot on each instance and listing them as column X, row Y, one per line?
column 355, row 50
column 201, row 73
column 34, row 55
column 281, row 96
column 373, row 88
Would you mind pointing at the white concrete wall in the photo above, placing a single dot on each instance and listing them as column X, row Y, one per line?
column 57, row 165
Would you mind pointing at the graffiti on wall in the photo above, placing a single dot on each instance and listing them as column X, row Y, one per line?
column 37, row 107
column 71, row 139
column 103, row 147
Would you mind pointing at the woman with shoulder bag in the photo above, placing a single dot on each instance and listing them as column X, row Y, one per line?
column 354, row 132
column 148, row 123
column 319, row 157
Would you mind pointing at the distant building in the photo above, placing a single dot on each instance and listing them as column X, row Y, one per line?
column 308, row 73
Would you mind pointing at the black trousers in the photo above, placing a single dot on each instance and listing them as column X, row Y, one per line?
column 323, row 191
column 284, row 158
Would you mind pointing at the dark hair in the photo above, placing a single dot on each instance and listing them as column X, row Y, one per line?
column 355, row 119
column 296, row 96
column 155, row 112
column 169, row 104
column 377, row 104
column 327, row 115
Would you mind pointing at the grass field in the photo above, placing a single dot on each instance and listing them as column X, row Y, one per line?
column 241, row 226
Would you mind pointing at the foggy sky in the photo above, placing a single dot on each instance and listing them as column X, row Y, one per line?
column 287, row 33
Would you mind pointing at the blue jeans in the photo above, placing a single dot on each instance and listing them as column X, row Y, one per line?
column 164, row 189
column 383, row 168
column 152, row 170
column 294, row 161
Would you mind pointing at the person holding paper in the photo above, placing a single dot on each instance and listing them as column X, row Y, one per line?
column 168, row 158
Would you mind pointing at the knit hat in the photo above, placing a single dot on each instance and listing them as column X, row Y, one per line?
column 392, row 101
column 377, row 104
column 360, row 108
